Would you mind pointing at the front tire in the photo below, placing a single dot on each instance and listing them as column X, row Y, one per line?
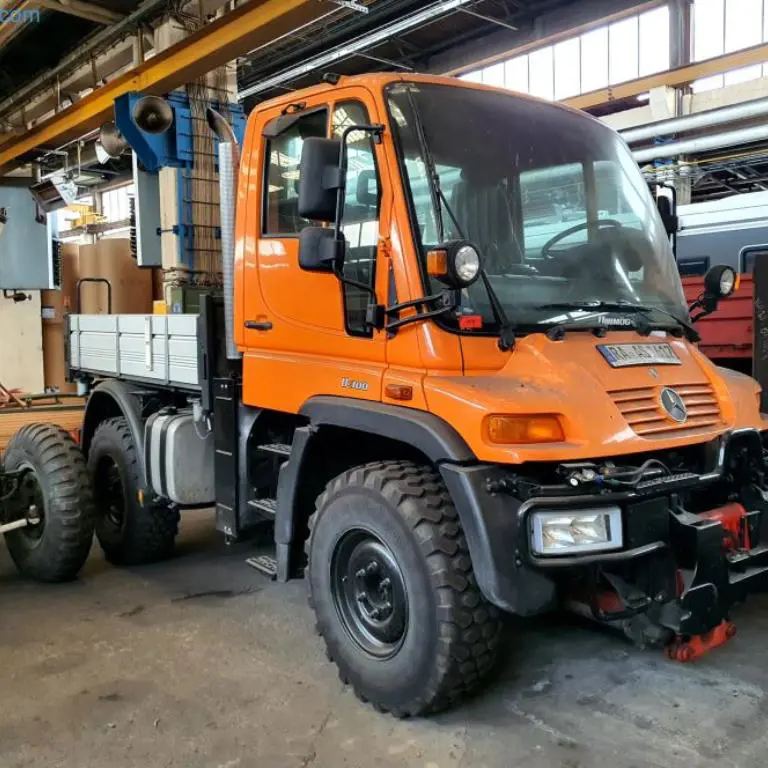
column 391, row 583
column 54, row 494
column 130, row 530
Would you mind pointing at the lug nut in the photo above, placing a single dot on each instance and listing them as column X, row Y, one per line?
column 386, row 583
column 361, row 573
column 372, row 567
column 362, row 596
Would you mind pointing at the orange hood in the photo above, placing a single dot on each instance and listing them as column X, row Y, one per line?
column 604, row 411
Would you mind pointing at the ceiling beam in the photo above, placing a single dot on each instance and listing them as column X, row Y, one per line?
column 254, row 24
column 673, row 78
column 82, row 9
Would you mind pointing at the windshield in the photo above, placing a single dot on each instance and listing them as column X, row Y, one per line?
column 553, row 200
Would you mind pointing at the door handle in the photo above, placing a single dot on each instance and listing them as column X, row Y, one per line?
column 258, row 325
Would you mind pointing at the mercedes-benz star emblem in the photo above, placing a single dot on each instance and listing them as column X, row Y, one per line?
column 673, row 404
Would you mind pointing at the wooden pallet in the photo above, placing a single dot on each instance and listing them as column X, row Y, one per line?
column 68, row 415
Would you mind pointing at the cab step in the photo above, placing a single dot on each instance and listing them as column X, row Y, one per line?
column 281, row 449
column 266, row 506
column 265, row 564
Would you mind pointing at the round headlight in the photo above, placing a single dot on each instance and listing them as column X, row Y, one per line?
column 720, row 281
column 727, row 282
column 466, row 264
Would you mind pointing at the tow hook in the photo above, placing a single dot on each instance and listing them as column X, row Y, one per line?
column 697, row 645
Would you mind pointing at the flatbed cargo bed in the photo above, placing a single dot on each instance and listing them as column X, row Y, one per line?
column 157, row 349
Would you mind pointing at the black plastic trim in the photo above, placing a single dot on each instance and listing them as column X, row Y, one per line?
column 490, row 524
column 130, row 407
column 428, row 433
column 619, row 556
column 287, row 492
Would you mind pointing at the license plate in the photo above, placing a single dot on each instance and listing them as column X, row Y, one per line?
column 623, row 355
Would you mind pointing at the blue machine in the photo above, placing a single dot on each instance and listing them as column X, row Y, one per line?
column 174, row 148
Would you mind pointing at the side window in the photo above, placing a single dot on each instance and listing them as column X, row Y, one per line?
column 360, row 221
column 281, row 202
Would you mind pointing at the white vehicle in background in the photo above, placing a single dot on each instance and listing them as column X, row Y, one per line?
column 726, row 231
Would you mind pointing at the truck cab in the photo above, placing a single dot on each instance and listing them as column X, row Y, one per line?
column 569, row 240
column 465, row 381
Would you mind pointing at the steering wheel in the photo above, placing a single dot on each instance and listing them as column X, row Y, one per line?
column 546, row 249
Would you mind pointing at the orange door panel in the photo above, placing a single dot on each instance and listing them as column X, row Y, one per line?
column 296, row 341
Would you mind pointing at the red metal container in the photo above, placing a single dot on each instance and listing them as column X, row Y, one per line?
column 727, row 333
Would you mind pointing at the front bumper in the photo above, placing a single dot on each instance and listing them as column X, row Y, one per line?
column 703, row 580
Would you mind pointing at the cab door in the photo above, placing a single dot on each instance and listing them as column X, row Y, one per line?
column 305, row 333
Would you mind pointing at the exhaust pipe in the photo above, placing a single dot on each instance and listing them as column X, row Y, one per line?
column 229, row 162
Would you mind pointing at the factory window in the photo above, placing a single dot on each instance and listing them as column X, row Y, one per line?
column 624, row 50
column 281, row 209
column 360, row 220
column 115, row 204
column 724, row 26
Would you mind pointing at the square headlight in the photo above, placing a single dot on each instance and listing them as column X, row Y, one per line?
column 571, row 532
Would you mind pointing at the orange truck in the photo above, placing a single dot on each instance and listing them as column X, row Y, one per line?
column 452, row 384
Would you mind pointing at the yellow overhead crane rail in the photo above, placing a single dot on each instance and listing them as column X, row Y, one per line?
column 236, row 33
column 673, row 78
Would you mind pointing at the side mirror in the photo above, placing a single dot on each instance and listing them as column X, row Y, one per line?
column 320, row 179
column 667, row 213
column 319, row 249
column 719, row 282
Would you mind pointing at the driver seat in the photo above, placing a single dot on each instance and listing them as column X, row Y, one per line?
column 482, row 209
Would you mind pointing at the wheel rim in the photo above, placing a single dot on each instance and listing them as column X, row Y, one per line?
column 30, row 504
column 369, row 593
column 108, row 489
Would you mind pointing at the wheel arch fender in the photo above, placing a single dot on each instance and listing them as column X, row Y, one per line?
column 427, row 433
column 421, row 435
column 489, row 520
column 109, row 399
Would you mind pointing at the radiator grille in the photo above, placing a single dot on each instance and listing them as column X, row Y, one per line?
column 642, row 409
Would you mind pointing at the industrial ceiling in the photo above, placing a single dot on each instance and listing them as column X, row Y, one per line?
column 42, row 33
column 342, row 37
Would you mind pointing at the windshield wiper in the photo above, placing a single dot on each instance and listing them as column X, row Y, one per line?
column 624, row 306
column 439, row 200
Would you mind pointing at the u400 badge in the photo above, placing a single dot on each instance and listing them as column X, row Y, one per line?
column 359, row 386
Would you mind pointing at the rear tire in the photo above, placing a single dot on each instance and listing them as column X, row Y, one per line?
column 391, row 583
column 130, row 532
column 57, row 492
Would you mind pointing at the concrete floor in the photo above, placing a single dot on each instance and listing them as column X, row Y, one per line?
column 200, row 661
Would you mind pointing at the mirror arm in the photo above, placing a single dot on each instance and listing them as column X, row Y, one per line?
column 376, row 130
column 707, row 304
column 414, row 303
column 414, row 318
column 694, row 304
column 421, row 301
